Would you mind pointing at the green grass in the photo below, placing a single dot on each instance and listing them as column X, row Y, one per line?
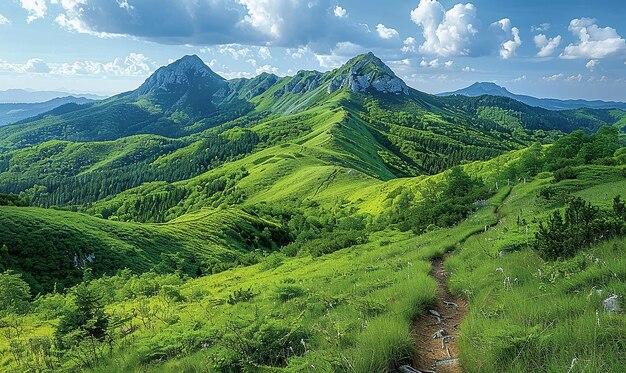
column 551, row 317
column 44, row 243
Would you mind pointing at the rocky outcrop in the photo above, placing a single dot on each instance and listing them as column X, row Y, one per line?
column 365, row 73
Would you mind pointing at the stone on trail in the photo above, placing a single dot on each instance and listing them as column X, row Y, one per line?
column 611, row 304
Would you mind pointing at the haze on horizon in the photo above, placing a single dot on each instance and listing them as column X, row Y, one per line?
column 560, row 49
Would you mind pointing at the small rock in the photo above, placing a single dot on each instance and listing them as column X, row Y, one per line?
column 611, row 304
column 434, row 313
column 440, row 334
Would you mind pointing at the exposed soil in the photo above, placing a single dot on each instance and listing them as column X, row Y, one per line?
column 437, row 331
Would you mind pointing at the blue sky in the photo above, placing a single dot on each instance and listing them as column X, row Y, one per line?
column 558, row 48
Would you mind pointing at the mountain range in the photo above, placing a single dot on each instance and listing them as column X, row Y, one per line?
column 300, row 223
column 492, row 89
column 30, row 96
column 12, row 112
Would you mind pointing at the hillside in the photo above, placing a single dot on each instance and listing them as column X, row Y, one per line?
column 486, row 88
column 12, row 113
column 302, row 224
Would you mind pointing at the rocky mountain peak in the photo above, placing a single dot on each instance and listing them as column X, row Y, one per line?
column 188, row 71
column 366, row 72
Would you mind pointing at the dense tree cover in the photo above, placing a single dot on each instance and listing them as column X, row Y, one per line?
column 60, row 184
column 14, row 294
column 13, row 200
column 533, row 118
column 439, row 206
column 568, row 152
column 428, row 143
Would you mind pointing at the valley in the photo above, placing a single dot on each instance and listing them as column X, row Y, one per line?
column 311, row 223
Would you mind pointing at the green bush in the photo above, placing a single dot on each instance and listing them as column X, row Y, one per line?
column 285, row 292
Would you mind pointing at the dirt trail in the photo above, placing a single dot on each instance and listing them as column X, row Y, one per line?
column 437, row 331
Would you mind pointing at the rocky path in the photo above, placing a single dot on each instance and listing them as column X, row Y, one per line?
column 437, row 331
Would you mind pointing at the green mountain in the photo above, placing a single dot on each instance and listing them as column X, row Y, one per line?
column 290, row 224
column 492, row 89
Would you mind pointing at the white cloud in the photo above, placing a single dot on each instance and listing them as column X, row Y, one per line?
column 36, row 9
column 541, row 28
column 436, row 64
column 340, row 12
column 409, row 45
column 386, row 32
column 32, row 66
column 446, row 33
column 37, row 66
column 135, row 64
column 592, row 64
column 267, row 69
column 508, row 47
column 519, row 79
column 284, row 23
column 236, row 51
column 546, row 45
column 468, row 69
column 297, row 53
column 341, row 53
column 574, row 78
column 264, row 53
column 552, row 78
column 235, row 74
column 4, row 20
column 593, row 41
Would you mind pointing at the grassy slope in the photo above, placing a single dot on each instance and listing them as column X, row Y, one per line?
column 551, row 318
column 44, row 242
column 356, row 306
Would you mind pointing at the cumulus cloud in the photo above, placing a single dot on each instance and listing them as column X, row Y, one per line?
column 32, row 66
column 540, row 28
column 519, row 79
column 592, row 64
column 319, row 24
column 4, row 20
column 546, row 45
column 574, row 78
column 339, row 55
column 340, row 12
column 386, row 32
column 552, row 78
column 36, row 9
column 446, row 32
column 264, row 53
column 508, row 47
column 593, row 41
column 236, row 51
column 267, row 69
column 37, row 66
column 436, row 64
column 409, row 45
column 135, row 64
column 468, row 69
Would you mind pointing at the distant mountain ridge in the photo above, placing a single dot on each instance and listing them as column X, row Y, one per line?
column 13, row 113
column 27, row 96
column 492, row 89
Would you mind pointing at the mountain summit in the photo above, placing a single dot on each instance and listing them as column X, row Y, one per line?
column 185, row 83
column 492, row 89
column 367, row 72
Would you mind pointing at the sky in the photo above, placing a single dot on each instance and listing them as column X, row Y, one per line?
column 554, row 48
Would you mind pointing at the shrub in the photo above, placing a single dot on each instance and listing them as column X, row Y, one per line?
column 240, row 295
column 264, row 341
column 565, row 173
column 285, row 292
